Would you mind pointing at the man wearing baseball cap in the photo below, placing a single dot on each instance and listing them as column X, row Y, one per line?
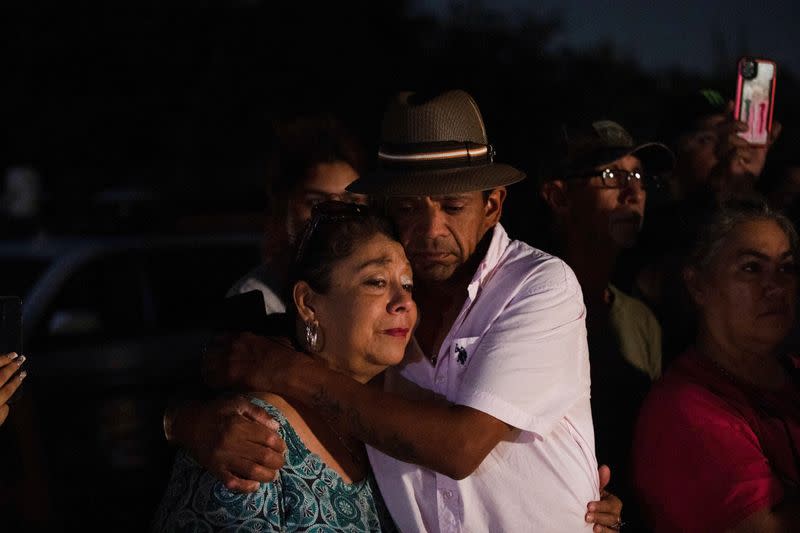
column 596, row 190
column 486, row 425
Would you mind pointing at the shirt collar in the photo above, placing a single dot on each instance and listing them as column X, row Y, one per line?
column 497, row 248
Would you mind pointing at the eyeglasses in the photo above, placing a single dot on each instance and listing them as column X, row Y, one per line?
column 328, row 211
column 614, row 178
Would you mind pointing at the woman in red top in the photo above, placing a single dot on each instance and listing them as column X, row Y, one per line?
column 717, row 446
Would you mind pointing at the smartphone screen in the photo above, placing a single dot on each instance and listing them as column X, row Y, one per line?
column 11, row 329
column 755, row 98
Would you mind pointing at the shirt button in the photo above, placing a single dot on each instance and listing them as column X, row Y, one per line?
column 448, row 494
column 440, row 380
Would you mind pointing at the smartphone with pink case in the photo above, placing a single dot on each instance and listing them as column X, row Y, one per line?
column 755, row 98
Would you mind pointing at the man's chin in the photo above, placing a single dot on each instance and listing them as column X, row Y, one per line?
column 625, row 233
column 625, row 241
column 433, row 272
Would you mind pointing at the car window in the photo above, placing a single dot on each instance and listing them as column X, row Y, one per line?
column 100, row 300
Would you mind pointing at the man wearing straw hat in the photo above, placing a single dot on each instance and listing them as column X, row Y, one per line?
column 486, row 425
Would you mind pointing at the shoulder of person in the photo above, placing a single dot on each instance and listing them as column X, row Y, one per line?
column 631, row 306
column 536, row 268
column 281, row 405
column 278, row 402
column 684, row 401
column 264, row 279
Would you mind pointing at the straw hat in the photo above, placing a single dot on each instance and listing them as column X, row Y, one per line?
column 432, row 146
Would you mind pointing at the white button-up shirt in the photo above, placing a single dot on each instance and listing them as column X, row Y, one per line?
column 518, row 352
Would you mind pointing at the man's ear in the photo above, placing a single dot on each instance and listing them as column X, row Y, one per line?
column 554, row 193
column 694, row 285
column 303, row 296
column 493, row 207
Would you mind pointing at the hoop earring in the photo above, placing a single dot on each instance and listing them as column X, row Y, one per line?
column 313, row 336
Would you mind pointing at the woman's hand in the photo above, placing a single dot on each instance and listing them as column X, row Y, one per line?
column 9, row 364
column 606, row 515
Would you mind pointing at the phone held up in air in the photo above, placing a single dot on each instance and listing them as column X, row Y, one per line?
column 11, row 331
column 755, row 98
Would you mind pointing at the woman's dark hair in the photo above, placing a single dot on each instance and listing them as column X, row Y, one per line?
column 333, row 238
column 714, row 227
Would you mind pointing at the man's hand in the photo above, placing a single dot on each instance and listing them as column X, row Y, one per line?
column 233, row 439
column 249, row 362
column 605, row 514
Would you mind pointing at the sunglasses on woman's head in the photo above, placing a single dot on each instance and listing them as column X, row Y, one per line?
column 329, row 211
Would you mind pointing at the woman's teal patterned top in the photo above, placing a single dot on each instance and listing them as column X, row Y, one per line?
column 306, row 496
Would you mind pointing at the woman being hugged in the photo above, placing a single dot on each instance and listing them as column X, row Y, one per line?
column 717, row 445
column 351, row 308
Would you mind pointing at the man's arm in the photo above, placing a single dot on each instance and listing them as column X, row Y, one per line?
column 449, row 439
column 228, row 435
column 231, row 437
column 452, row 440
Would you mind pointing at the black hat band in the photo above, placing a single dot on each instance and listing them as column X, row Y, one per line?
column 435, row 155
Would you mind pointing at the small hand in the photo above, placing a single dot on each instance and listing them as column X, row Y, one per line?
column 9, row 364
column 605, row 514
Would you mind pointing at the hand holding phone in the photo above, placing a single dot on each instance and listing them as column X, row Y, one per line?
column 11, row 357
column 10, row 379
column 755, row 98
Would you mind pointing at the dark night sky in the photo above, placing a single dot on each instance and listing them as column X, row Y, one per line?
column 665, row 34
column 179, row 93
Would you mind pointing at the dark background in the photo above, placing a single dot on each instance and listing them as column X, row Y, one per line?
column 177, row 97
column 155, row 118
